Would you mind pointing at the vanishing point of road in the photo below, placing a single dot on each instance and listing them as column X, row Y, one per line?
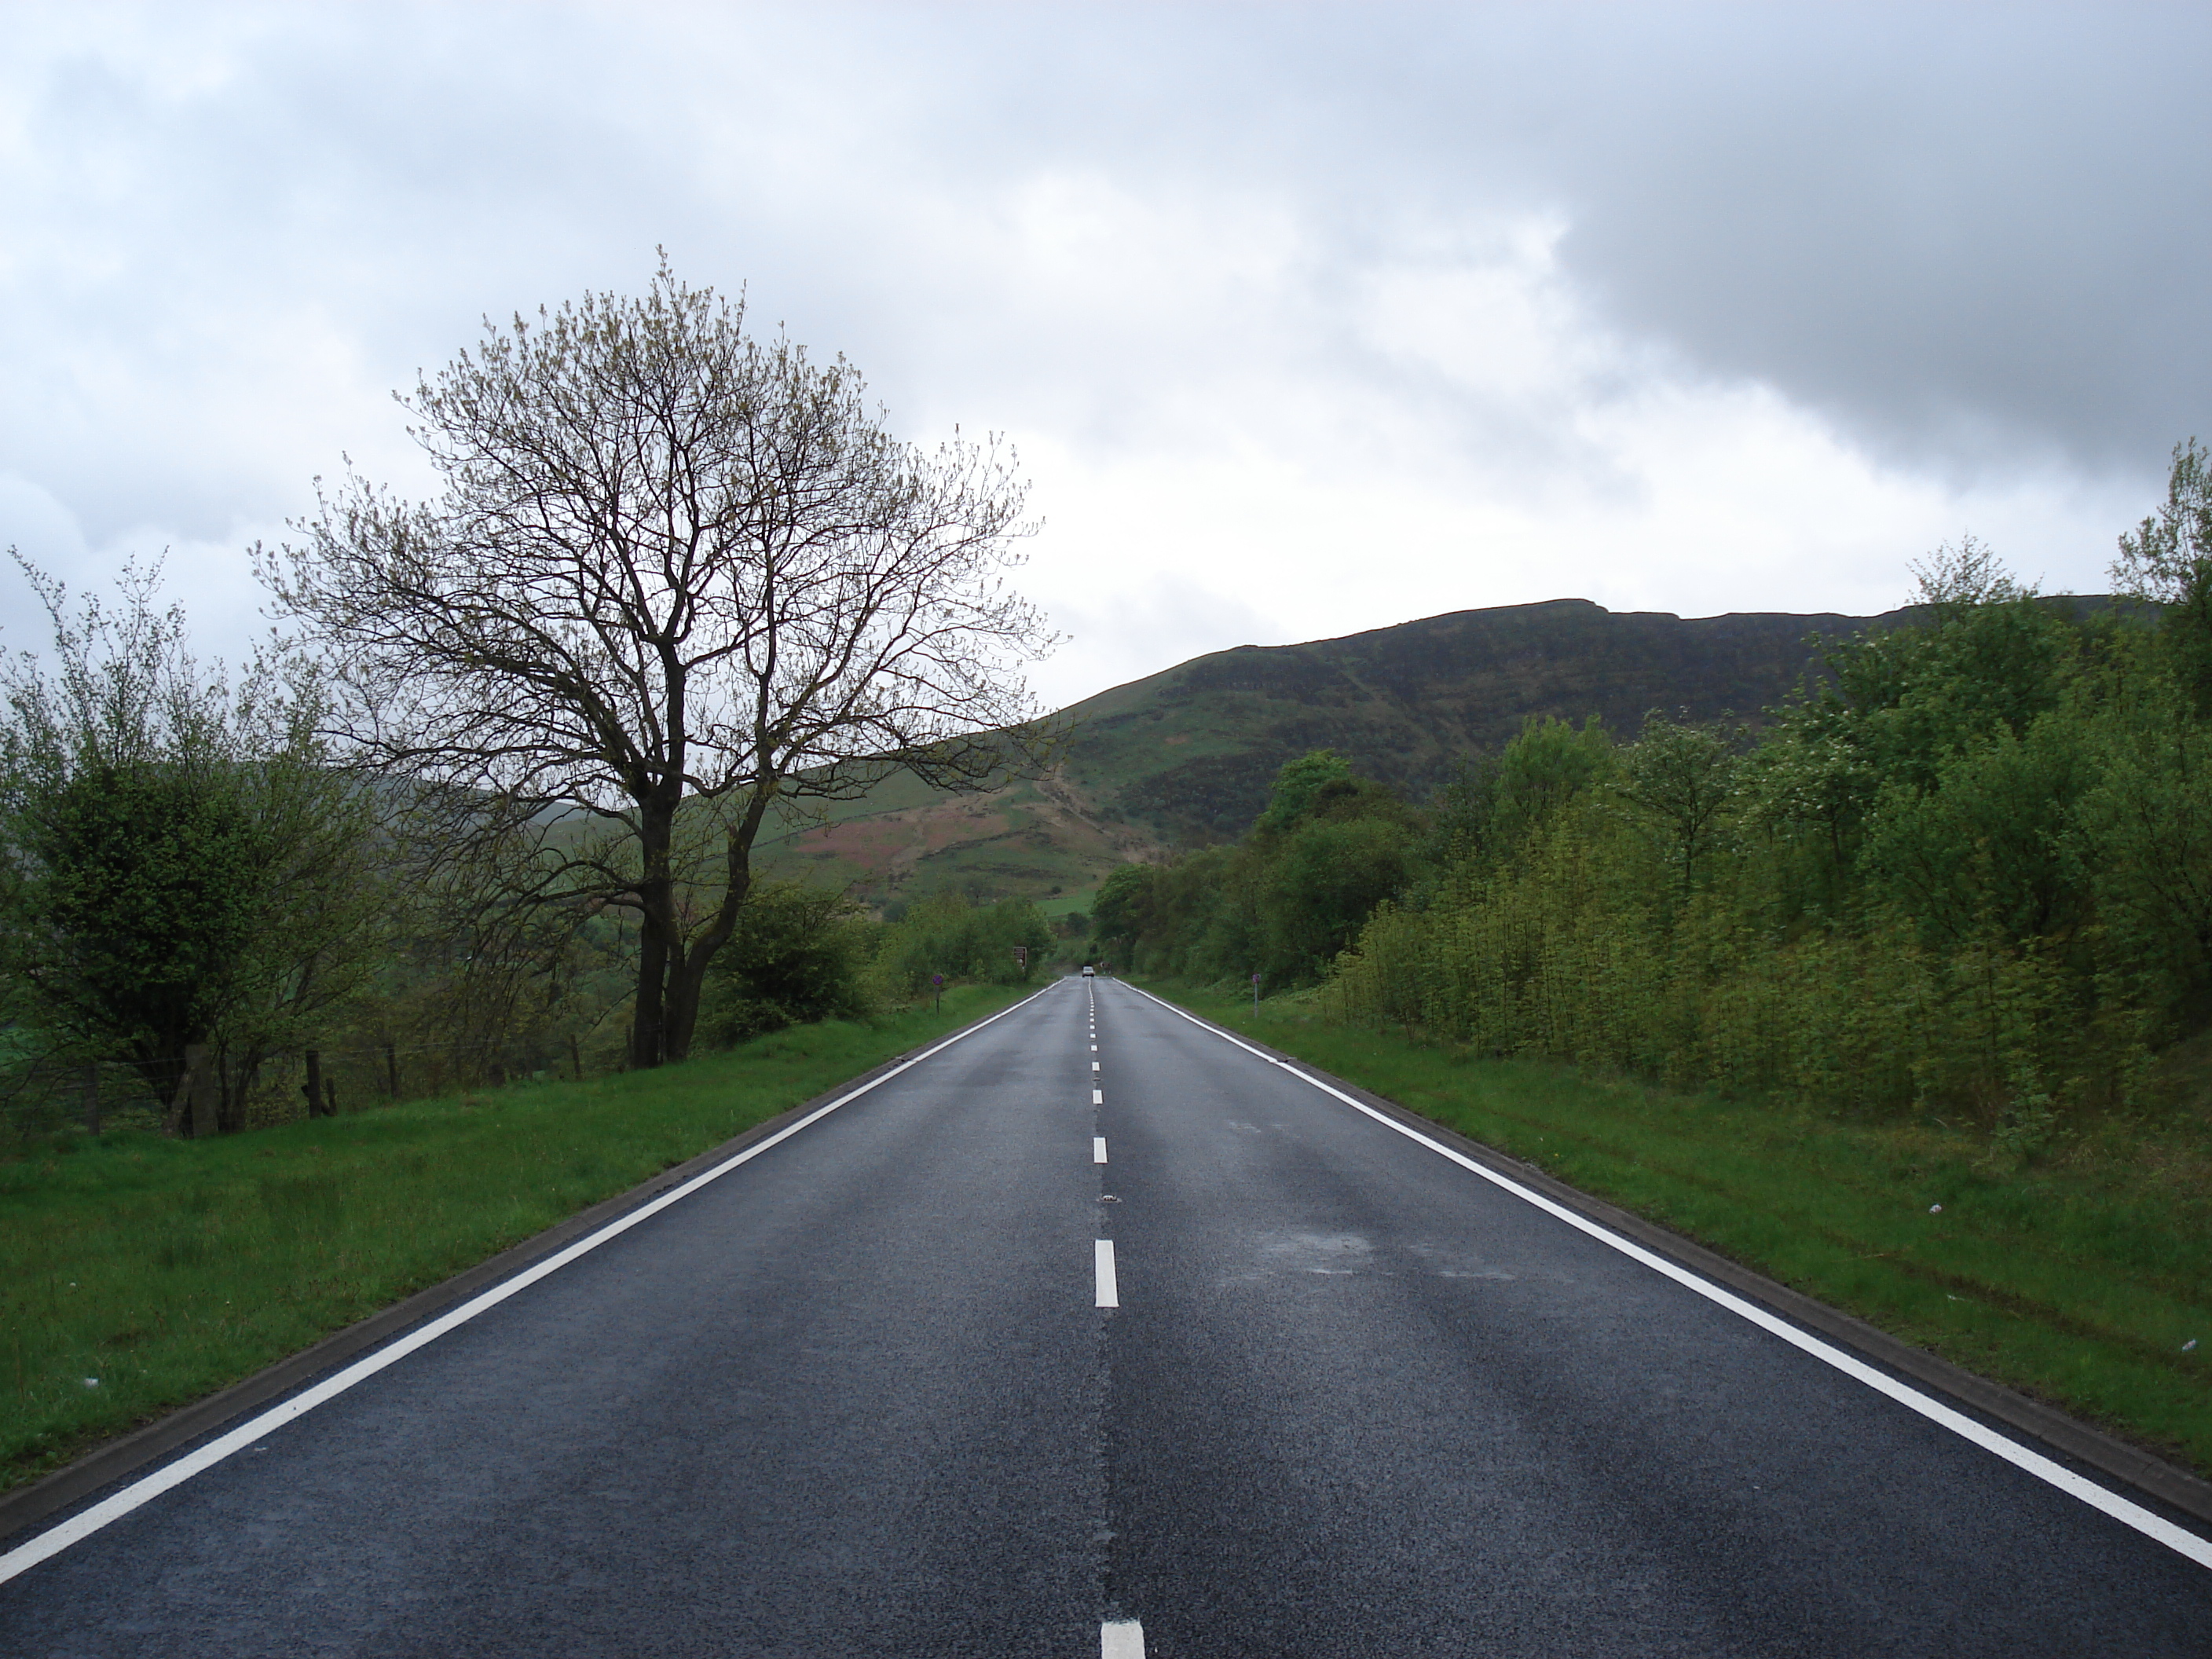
column 1096, row 1331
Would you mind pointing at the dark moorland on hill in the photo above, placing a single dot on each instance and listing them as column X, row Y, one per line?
column 1182, row 758
column 1190, row 752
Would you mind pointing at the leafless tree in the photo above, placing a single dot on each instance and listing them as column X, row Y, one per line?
column 678, row 575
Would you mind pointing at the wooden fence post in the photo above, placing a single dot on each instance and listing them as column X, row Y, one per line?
column 313, row 1088
column 330, row 1097
column 391, row 1071
column 92, row 1096
column 575, row 1057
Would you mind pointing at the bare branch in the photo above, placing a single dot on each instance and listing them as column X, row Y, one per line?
column 670, row 561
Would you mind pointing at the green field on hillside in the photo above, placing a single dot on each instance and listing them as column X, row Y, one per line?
column 2079, row 1279
column 143, row 1273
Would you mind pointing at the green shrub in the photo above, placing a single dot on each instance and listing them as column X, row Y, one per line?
column 948, row 935
column 799, row 954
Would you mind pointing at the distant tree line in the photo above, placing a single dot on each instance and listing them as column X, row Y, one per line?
column 1968, row 871
column 1281, row 902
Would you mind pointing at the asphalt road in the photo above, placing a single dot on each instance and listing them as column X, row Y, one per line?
column 859, row 1397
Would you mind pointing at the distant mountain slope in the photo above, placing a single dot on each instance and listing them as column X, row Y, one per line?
column 1189, row 751
column 1184, row 757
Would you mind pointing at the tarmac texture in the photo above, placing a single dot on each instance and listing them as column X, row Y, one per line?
column 860, row 1397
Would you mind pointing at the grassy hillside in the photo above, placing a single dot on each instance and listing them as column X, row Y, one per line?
column 1188, row 753
column 1183, row 757
column 1035, row 838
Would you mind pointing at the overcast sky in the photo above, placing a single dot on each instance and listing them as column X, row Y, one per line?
column 1304, row 318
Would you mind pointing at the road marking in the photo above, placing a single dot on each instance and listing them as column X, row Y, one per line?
column 2154, row 1527
column 1102, row 1268
column 1094, row 1048
column 1120, row 1638
column 82, row 1525
column 1094, row 1065
column 1098, row 1149
column 1098, row 1097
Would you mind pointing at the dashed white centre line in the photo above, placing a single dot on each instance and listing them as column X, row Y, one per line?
column 1102, row 1266
column 1098, row 1097
column 1098, row 1149
column 1094, row 1065
column 1120, row 1638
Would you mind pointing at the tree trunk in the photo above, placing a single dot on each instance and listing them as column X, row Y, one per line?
column 651, row 973
column 682, row 1009
column 656, row 928
column 234, row 1086
column 197, row 1095
column 689, row 975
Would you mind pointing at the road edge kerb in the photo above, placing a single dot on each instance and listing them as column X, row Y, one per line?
column 2187, row 1495
column 104, row 1465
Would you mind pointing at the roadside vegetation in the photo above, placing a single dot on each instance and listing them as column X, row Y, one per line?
column 145, row 1272
column 1965, row 875
column 210, row 923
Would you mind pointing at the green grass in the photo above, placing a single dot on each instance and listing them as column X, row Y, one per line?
column 2077, row 1279
column 167, row 1270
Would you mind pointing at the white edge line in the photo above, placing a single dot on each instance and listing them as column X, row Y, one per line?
column 2179, row 1539
column 55, row 1539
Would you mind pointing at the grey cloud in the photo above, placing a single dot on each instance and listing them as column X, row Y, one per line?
column 1974, row 237
column 1977, row 237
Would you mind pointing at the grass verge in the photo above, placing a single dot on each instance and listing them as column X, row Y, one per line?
column 140, row 1274
column 2079, row 1278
